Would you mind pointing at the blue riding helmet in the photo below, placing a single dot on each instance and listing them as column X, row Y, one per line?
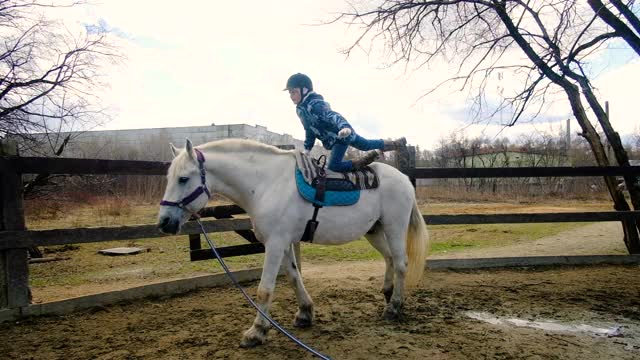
column 299, row 81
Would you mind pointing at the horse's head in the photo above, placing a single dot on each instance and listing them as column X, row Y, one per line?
column 186, row 191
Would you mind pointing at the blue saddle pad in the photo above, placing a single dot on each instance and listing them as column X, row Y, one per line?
column 331, row 197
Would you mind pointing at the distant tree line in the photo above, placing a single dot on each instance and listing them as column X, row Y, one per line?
column 550, row 150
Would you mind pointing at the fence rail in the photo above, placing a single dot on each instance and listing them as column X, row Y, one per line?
column 438, row 173
column 31, row 238
column 532, row 218
column 37, row 165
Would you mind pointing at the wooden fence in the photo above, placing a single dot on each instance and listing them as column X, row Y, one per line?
column 15, row 239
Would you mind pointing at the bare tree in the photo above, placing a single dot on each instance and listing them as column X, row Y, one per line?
column 443, row 153
column 544, row 44
column 635, row 142
column 48, row 74
column 49, row 77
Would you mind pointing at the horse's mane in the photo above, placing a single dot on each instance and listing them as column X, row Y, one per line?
column 228, row 146
column 241, row 145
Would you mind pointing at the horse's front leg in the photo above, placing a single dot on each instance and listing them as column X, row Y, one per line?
column 257, row 333
column 304, row 316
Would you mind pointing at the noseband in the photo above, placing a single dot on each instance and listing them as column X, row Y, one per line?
column 198, row 191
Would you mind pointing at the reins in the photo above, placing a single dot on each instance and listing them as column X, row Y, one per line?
column 182, row 205
column 246, row 296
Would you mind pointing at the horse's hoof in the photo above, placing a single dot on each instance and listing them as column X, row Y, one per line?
column 304, row 316
column 302, row 323
column 392, row 313
column 250, row 342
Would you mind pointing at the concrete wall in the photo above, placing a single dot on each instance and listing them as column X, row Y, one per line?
column 197, row 134
column 153, row 144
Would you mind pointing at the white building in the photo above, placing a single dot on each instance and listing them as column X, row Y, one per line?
column 153, row 144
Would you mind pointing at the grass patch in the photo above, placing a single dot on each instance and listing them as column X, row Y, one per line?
column 168, row 257
column 165, row 258
column 444, row 239
column 451, row 238
column 107, row 213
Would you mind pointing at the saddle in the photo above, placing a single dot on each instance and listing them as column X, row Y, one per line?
column 339, row 188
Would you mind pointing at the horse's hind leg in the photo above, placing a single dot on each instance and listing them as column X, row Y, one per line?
column 396, row 234
column 377, row 239
column 257, row 333
column 304, row 316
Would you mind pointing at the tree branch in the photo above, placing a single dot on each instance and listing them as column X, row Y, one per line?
column 620, row 27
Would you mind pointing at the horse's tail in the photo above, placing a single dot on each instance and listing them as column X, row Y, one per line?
column 417, row 246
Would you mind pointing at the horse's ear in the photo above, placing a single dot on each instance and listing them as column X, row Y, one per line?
column 189, row 148
column 174, row 150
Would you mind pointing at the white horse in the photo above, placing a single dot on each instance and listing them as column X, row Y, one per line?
column 260, row 179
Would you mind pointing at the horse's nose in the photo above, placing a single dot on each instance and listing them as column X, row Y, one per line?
column 167, row 226
column 163, row 222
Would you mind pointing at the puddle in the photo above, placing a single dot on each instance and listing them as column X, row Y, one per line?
column 608, row 331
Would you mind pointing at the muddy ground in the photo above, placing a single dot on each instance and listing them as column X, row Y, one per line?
column 207, row 324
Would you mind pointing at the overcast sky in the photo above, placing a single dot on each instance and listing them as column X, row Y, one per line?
column 193, row 63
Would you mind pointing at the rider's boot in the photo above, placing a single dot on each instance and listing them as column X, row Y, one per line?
column 368, row 158
column 397, row 144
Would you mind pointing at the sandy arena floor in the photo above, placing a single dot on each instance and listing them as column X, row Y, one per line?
column 208, row 324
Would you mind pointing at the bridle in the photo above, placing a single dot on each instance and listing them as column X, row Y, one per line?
column 195, row 193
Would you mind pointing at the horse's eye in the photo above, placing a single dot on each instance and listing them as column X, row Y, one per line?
column 183, row 180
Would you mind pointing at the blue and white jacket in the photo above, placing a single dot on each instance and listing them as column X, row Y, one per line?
column 322, row 123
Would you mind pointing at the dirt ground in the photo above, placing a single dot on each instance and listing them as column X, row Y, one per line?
column 208, row 324
column 440, row 319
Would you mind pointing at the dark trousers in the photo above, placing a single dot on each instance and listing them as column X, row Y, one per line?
column 339, row 149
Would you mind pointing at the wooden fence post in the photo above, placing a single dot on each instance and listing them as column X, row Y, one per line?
column 14, row 270
column 194, row 244
column 406, row 160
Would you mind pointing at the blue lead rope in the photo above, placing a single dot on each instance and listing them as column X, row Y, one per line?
column 271, row 321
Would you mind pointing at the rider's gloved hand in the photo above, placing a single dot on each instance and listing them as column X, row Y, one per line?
column 344, row 133
column 306, row 151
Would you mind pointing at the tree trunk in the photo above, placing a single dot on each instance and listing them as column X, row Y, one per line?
column 631, row 238
column 627, row 13
column 630, row 228
column 614, row 140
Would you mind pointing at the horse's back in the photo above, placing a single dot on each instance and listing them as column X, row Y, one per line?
column 392, row 201
column 393, row 181
column 397, row 194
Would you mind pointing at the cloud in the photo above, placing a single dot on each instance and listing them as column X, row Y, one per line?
column 200, row 62
column 619, row 87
